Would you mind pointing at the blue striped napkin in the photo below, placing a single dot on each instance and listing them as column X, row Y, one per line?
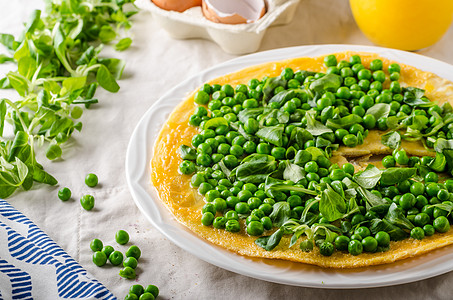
column 33, row 266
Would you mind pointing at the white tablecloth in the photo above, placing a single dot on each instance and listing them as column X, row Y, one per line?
column 156, row 63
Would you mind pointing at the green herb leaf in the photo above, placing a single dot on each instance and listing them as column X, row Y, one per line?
column 270, row 85
column 281, row 213
column 314, row 126
column 270, row 242
column 282, row 97
column 300, row 136
column 392, row 176
column 391, row 139
column 293, row 172
column 415, row 97
column 255, row 168
column 368, row 178
column 106, row 80
column 439, row 163
column 442, row 144
column 215, row 122
column 272, row 134
column 344, row 122
column 187, row 153
column 396, row 233
column 332, row 206
column 329, row 82
column 379, row 110
column 123, row 44
column 396, row 217
column 370, row 198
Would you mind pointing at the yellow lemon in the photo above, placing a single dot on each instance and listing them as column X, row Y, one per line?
column 403, row 24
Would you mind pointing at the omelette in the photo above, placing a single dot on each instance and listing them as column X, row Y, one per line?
column 185, row 203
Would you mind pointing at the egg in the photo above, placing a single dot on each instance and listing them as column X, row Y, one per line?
column 176, row 5
column 233, row 11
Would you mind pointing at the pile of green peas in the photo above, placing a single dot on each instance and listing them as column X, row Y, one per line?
column 138, row 292
column 86, row 201
column 116, row 258
column 234, row 205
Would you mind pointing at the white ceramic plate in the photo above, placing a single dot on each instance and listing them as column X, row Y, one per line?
column 140, row 151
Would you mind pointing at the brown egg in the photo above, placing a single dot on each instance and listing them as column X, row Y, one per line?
column 233, row 11
column 177, row 5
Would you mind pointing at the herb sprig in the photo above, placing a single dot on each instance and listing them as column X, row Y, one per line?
column 58, row 70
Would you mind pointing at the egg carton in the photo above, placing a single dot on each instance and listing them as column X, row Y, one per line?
column 233, row 39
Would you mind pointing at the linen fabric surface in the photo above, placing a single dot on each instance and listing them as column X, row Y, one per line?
column 156, row 63
column 32, row 266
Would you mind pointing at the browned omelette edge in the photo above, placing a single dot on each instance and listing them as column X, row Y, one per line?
column 185, row 203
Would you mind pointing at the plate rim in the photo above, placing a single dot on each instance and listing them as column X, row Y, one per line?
column 141, row 193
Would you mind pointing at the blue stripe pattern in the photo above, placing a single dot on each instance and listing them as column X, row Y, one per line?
column 37, row 249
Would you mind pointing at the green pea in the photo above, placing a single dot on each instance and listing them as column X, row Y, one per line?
column 369, row 121
column 278, row 152
column 127, row 273
column 147, row 296
column 429, row 230
column 449, row 185
column 263, row 148
column 326, row 249
column 255, row 228
column 394, row 68
column 87, row 202
column 431, row 177
column 130, row 262
column 337, row 174
column 232, row 226
column 362, row 231
column 369, row 244
column 388, row 161
column 242, row 208
column 341, row 242
column 340, row 134
column 432, row 189
column 134, row 251
column 383, row 238
column 136, row 289
column 355, row 247
column 330, row 60
column 356, row 128
column 153, row 290
column 121, row 237
column 350, row 140
column 131, row 296
column 376, row 65
column 116, row 258
column 108, row 250
column 441, row 224
column 401, row 157
column 267, row 223
column 99, row 258
column 219, row 222
column 421, row 219
column 417, row 233
column 356, row 219
column 364, row 74
column 207, row 218
column 407, row 201
column 443, row 195
column 311, row 167
column 64, row 194
column 96, row 245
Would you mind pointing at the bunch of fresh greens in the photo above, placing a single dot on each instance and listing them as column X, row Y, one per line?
column 58, row 70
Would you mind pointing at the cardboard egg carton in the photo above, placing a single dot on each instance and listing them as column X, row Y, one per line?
column 233, row 39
